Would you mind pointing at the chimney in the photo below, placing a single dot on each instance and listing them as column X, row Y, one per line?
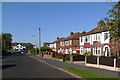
column 57, row 38
column 71, row 33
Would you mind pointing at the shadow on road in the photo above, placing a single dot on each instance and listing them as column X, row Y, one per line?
column 7, row 66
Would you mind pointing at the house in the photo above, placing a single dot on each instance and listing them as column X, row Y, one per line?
column 21, row 46
column 98, row 43
column 47, row 45
column 55, row 46
column 70, row 44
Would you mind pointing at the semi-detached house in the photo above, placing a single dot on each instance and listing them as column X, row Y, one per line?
column 94, row 41
column 55, row 46
column 98, row 43
column 70, row 44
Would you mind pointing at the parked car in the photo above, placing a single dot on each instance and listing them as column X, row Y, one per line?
column 23, row 52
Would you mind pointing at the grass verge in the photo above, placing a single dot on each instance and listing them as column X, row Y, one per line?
column 90, row 75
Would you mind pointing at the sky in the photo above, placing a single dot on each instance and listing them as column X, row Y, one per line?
column 56, row 19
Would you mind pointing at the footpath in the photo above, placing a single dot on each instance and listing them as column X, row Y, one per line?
column 60, row 64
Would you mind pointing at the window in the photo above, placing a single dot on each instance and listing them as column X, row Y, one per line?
column 70, row 42
column 105, row 36
column 81, row 39
column 86, row 49
column 81, row 50
column 96, row 51
column 95, row 37
column 99, row 38
column 86, row 39
column 89, row 38
column 67, row 43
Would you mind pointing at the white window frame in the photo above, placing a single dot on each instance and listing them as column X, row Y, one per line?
column 98, row 49
column 70, row 42
column 104, row 36
column 87, row 49
column 81, row 50
column 81, row 39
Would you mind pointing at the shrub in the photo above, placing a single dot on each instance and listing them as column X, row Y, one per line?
column 59, row 56
column 75, row 54
column 88, row 54
column 67, row 57
column 118, row 57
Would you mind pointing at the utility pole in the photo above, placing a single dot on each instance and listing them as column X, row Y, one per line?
column 39, row 43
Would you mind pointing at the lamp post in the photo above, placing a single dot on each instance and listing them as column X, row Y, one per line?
column 35, row 42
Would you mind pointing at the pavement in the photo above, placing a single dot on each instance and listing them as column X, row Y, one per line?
column 60, row 64
column 20, row 66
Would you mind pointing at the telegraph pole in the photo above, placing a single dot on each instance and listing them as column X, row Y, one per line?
column 39, row 43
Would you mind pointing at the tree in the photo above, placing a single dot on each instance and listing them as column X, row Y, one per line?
column 84, row 32
column 6, row 41
column 112, row 23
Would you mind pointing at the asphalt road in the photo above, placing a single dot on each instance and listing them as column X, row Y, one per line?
column 22, row 66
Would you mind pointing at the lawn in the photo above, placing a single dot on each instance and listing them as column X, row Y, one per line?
column 89, row 75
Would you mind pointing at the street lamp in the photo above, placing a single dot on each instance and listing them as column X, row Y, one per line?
column 35, row 42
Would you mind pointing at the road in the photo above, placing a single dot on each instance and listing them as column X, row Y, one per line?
column 23, row 66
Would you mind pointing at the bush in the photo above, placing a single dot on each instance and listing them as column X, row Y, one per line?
column 33, row 51
column 75, row 54
column 59, row 56
column 67, row 57
column 88, row 54
column 118, row 57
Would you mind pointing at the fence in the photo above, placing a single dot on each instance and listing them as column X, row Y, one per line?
column 118, row 63
column 91, row 59
column 78, row 58
column 108, row 61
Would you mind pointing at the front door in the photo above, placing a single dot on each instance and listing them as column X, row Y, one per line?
column 106, row 51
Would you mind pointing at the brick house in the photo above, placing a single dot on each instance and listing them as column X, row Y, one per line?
column 55, row 46
column 70, row 44
column 98, row 43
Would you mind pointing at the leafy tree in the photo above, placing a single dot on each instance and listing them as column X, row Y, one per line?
column 6, row 41
column 113, row 22
column 33, row 51
column 44, row 48
column 83, row 32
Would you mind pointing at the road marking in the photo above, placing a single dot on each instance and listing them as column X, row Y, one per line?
column 74, row 75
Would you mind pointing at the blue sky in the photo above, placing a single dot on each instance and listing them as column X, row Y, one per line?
column 56, row 19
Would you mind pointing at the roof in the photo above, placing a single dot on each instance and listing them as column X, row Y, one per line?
column 74, row 36
column 95, row 30
column 60, row 39
column 47, row 43
column 23, row 44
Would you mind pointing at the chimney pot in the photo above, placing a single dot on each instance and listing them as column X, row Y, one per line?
column 71, row 33
column 57, row 38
